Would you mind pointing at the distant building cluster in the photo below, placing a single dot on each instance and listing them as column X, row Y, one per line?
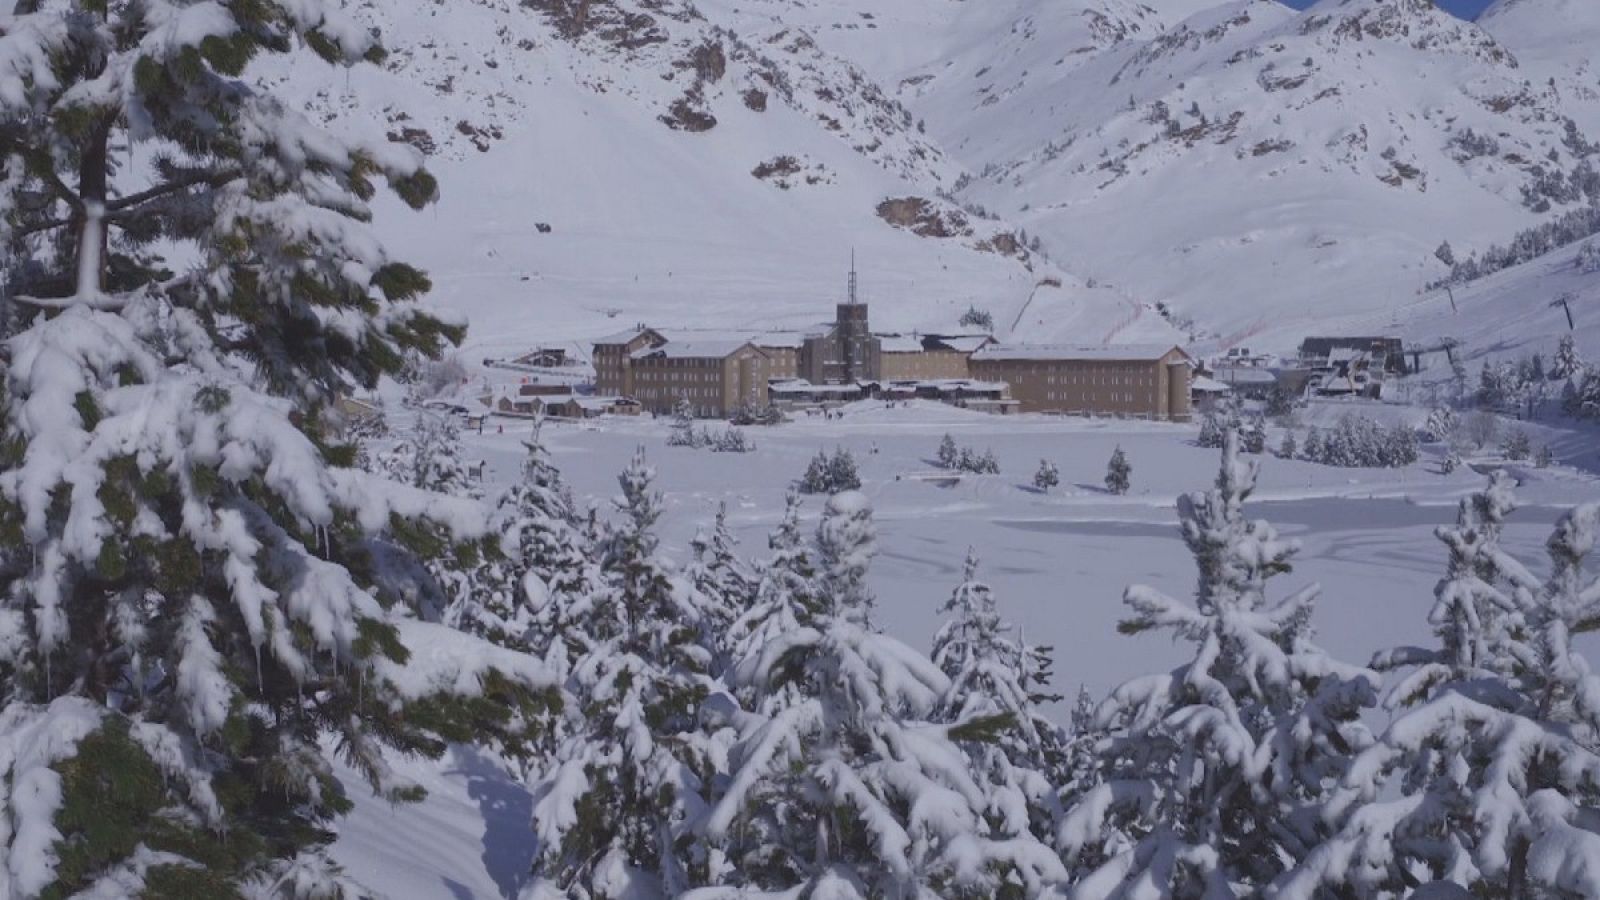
column 717, row 373
column 1324, row 367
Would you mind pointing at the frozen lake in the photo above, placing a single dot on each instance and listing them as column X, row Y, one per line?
column 1059, row 562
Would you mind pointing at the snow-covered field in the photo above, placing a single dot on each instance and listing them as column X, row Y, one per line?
column 1058, row 562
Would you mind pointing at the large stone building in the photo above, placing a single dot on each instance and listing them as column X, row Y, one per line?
column 716, row 377
column 1136, row 380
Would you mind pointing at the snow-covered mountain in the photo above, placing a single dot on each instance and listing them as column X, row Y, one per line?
column 1255, row 171
column 645, row 161
column 1260, row 170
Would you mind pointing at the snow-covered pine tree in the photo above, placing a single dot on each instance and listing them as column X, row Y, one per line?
column 1399, row 446
column 1118, row 472
column 1287, row 449
column 1212, row 772
column 430, row 458
column 949, row 454
column 1488, row 778
column 997, row 683
column 1253, row 436
column 615, row 804
column 1517, row 445
column 198, row 598
column 726, row 586
column 541, row 569
column 988, row 464
column 683, row 433
column 785, row 594
column 1583, row 401
column 815, row 480
column 1442, row 424
column 839, row 786
column 1047, row 477
column 1567, row 363
column 842, row 473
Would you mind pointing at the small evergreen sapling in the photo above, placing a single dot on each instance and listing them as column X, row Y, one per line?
column 1118, row 472
column 1567, row 363
column 684, row 432
column 949, row 454
column 1047, row 476
column 1442, row 424
column 1253, row 437
column 830, row 474
column 1287, row 449
column 1517, row 445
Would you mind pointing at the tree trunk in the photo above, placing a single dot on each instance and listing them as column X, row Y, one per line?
column 1517, row 877
column 89, row 222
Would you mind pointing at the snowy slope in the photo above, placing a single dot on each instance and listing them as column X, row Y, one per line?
column 1502, row 317
column 1261, row 170
column 582, row 189
column 1553, row 39
column 1545, row 31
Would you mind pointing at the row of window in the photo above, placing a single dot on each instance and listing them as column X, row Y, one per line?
column 1108, row 380
column 647, row 375
column 1046, row 368
column 1091, row 397
column 675, row 393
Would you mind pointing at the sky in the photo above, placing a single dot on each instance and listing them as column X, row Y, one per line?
column 1466, row 9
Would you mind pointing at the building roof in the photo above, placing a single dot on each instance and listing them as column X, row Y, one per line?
column 623, row 337
column 900, row 343
column 715, row 348
column 1107, row 352
column 792, row 340
column 1206, row 385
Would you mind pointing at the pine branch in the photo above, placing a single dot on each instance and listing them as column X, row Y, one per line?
column 209, row 179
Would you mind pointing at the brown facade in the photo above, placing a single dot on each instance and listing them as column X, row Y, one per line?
column 925, row 365
column 613, row 360
column 1098, row 383
column 713, row 385
column 782, row 361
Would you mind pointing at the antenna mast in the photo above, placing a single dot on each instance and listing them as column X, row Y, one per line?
column 852, row 275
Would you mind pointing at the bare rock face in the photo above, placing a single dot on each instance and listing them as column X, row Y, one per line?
column 924, row 218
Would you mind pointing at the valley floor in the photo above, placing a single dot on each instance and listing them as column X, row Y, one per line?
column 1058, row 562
